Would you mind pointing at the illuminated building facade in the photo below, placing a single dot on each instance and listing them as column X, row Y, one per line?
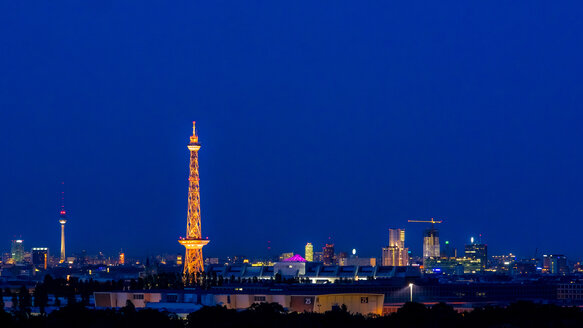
column 309, row 254
column 452, row 265
column 193, row 260
column 328, row 256
column 357, row 261
column 40, row 256
column 17, row 251
column 395, row 254
column 478, row 251
column 122, row 258
column 431, row 243
column 397, row 237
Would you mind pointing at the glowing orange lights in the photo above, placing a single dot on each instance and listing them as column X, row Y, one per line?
column 193, row 260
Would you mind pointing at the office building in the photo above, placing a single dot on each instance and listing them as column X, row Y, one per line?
column 555, row 264
column 17, row 251
column 328, row 256
column 477, row 251
column 397, row 237
column 395, row 254
column 431, row 243
column 309, row 254
column 452, row 265
column 40, row 257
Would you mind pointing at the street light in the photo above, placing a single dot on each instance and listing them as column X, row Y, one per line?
column 411, row 291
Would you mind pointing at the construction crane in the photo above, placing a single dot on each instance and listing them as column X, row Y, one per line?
column 432, row 221
column 430, row 239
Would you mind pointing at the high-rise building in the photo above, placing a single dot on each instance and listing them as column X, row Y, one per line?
column 478, row 251
column 431, row 243
column 555, row 264
column 193, row 261
column 122, row 258
column 397, row 237
column 17, row 250
column 328, row 256
column 40, row 257
column 309, row 252
column 395, row 254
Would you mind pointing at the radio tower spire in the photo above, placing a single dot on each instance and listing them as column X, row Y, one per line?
column 193, row 261
column 62, row 221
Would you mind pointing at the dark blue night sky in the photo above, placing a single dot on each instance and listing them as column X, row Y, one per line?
column 337, row 119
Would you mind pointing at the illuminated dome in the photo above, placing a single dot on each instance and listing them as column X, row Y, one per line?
column 295, row 258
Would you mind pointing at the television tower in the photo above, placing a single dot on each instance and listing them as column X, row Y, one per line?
column 62, row 221
column 193, row 261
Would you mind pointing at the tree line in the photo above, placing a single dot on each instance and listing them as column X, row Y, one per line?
column 414, row 315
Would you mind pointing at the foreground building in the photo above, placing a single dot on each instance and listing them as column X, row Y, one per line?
column 183, row 302
column 378, row 296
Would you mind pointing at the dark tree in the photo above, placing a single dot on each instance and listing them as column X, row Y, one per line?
column 1, row 301
column 41, row 297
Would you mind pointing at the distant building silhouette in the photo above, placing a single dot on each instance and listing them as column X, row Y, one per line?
column 555, row 264
column 40, row 256
column 328, row 256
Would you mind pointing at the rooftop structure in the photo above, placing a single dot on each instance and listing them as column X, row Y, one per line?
column 295, row 258
column 314, row 271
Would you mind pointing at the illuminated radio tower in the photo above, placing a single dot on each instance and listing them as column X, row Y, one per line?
column 193, row 261
column 62, row 221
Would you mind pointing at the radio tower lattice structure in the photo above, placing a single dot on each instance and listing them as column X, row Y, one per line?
column 193, row 261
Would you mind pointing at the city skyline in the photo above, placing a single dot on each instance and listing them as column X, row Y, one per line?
column 311, row 128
